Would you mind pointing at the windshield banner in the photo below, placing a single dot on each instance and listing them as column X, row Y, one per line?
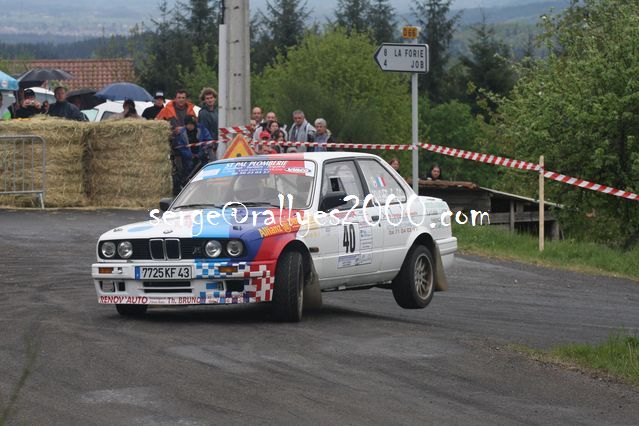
column 263, row 167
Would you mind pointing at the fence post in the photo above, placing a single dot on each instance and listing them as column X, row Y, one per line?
column 541, row 203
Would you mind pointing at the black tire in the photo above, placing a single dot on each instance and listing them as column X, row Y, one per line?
column 413, row 288
column 288, row 294
column 131, row 310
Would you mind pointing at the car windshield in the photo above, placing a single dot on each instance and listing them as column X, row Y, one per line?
column 256, row 183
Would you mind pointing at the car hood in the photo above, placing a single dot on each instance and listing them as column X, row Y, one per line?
column 210, row 223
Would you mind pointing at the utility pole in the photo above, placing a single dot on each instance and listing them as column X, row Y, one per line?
column 235, row 65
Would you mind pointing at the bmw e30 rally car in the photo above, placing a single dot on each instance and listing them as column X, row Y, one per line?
column 280, row 229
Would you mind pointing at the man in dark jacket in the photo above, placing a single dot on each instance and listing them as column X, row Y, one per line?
column 64, row 109
column 208, row 117
column 158, row 103
column 29, row 106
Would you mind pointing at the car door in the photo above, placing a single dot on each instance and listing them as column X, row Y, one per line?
column 347, row 257
column 396, row 226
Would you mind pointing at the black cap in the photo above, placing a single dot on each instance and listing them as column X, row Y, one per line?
column 159, row 95
column 29, row 92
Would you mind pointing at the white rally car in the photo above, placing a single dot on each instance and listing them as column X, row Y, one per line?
column 280, row 229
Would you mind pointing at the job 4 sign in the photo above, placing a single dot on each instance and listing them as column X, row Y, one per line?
column 403, row 57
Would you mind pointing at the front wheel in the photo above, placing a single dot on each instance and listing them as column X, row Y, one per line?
column 131, row 310
column 414, row 286
column 288, row 294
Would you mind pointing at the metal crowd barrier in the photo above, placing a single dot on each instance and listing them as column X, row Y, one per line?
column 23, row 166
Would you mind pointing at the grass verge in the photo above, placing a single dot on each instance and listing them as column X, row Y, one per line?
column 616, row 358
column 566, row 254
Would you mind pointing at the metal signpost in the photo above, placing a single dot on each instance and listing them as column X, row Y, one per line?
column 413, row 58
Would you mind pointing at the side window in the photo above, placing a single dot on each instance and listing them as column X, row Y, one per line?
column 342, row 176
column 380, row 182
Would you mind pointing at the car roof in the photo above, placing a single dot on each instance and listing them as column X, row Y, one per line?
column 320, row 157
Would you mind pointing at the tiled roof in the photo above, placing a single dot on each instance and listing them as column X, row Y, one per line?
column 90, row 73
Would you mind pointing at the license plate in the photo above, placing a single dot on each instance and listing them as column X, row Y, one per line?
column 163, row 272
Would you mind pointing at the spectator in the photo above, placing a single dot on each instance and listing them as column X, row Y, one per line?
column 271, row 116
column 256, row 117
column 257, row 122
column 128, row 111
column 15, row 106
column 195, row 156
column 435, row 173
column 322, row 135
column 208, row 117
column 62, row 108
column 301, row 131
column 264, row 149
column 394, row 163
column 176, row 111
column 5, row 113
column 278, row 136
column 158, row 103
column 29, row 106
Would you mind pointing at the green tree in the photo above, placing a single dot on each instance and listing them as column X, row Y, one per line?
column 452, row 124
column 332, row 76
column 352, row 15
column 381, row 18
column 202, row 75
column 437, row 31
column 580, row 108
column 488, row 66
column 280, row 28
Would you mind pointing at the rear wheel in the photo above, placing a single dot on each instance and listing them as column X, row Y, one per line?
column 288, row 294
column 131, row 310
column 414, row 286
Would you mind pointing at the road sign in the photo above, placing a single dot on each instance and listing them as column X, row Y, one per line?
column 410, row 32
column 402, row 57
column 238, row 148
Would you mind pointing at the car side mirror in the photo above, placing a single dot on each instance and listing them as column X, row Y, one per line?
column 332, row 200
column 165, row 203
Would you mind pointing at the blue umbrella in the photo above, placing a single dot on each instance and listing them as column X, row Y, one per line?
column 7, row 82
column 123, row 91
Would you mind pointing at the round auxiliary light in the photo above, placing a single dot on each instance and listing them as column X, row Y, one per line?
column 234, row 248
column 108, row 249
column 125, row 249
column 213, row 248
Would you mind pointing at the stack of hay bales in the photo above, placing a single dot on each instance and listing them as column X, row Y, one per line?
column 129, row 163
column 65, row 149
column 119, row 163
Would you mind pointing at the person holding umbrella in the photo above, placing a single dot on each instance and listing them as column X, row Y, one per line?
column 62, row 108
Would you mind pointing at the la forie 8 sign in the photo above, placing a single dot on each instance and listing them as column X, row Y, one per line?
column 402, row 57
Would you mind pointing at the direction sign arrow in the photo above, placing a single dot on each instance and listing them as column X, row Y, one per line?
column 402, row 57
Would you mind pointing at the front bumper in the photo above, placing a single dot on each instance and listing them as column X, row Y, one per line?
column 242, row 282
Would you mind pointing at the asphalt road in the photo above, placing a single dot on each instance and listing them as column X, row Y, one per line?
column 64, row 359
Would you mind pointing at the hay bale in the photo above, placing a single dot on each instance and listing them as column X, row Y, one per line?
column 65, row 149
column 128, row 163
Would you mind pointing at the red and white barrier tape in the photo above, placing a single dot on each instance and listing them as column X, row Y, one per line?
column 590, row 185
column 484, row 158
column 453, row 152
column 387, row 147
column 523, row 165
column 245, row 130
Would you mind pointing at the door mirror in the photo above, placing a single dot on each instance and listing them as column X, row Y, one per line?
column 165, row 203
column 332, row 200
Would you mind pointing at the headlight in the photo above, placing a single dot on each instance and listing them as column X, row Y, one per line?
column 125, row 249
column 234, row 248
column 213, row 248
column 108, row 249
